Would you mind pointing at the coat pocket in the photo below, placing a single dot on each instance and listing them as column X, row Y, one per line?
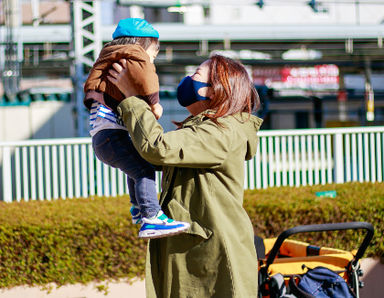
column 178, row 212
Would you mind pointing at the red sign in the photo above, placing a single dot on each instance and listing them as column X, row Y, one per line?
column 327, row 74
column 318, row 77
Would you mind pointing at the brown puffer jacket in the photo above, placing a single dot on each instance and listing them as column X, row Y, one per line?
column 140, row 72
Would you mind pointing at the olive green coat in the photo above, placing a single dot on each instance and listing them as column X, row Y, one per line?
column 203, row 178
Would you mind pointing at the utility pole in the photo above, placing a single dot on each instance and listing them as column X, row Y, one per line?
column 86, row 46
column 369, row 93
column 11, row 49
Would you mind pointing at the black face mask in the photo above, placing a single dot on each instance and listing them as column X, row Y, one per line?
column 187, row 91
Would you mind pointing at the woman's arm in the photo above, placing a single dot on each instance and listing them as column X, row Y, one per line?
column 203, row 145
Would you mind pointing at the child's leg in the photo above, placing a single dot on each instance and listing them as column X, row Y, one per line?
column 135, row 209
column 114, row 147
column 143, row 177
column 131, row 189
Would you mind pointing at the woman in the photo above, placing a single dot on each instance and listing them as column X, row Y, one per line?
column 203, row 178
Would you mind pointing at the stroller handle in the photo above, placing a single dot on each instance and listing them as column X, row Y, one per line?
column 322, row 228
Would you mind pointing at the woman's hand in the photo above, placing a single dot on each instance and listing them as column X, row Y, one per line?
column 116, row 77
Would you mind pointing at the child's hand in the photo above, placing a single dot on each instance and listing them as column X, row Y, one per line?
column 157, row 110
column 116, row 76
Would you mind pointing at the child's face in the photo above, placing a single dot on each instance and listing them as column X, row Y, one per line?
column 152, row 51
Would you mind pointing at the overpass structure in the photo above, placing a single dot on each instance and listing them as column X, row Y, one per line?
column 349, row 46
column 335, row 41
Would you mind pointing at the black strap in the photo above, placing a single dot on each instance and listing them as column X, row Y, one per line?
column 313, row 250
column 260, row 248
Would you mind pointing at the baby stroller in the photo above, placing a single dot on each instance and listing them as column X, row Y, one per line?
column 284, row 263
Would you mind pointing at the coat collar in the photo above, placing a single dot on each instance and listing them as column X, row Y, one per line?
column 193, row 120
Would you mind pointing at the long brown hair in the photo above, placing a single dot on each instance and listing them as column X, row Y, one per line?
column 232, row 89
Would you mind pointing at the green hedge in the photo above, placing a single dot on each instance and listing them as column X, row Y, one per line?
column 81, row 240
column 68, row 241
column 274, row 210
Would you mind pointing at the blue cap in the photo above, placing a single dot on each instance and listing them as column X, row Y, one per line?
column 135, row 27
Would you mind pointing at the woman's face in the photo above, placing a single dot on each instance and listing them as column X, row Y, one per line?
column 202, row 72
column 202, row 75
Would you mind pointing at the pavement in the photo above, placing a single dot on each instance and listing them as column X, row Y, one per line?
column 120, row 289
column 373, row 279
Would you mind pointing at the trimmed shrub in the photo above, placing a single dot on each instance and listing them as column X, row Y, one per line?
column 68, row 241
column 274, row 210
column 82, row 240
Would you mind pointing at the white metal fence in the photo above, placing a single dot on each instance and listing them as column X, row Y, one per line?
column 317, row 156
column 67, row 168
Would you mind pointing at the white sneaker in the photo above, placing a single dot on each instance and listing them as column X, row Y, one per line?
column 161, row 226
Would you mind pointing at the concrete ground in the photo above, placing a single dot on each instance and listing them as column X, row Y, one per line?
column 120, row 289
column 373, row 279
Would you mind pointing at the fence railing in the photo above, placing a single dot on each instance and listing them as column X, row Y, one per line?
column 67, row 168
column 317, row 156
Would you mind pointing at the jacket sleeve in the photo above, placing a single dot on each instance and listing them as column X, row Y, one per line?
column 204, row 145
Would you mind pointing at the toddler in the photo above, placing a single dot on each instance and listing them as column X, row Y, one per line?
column 136, row 41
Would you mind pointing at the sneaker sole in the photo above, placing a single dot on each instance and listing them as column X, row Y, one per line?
column 153, row 234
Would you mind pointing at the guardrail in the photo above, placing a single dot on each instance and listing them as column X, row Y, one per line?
column 317, row 156
column 66, row 168
column 57, row 168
